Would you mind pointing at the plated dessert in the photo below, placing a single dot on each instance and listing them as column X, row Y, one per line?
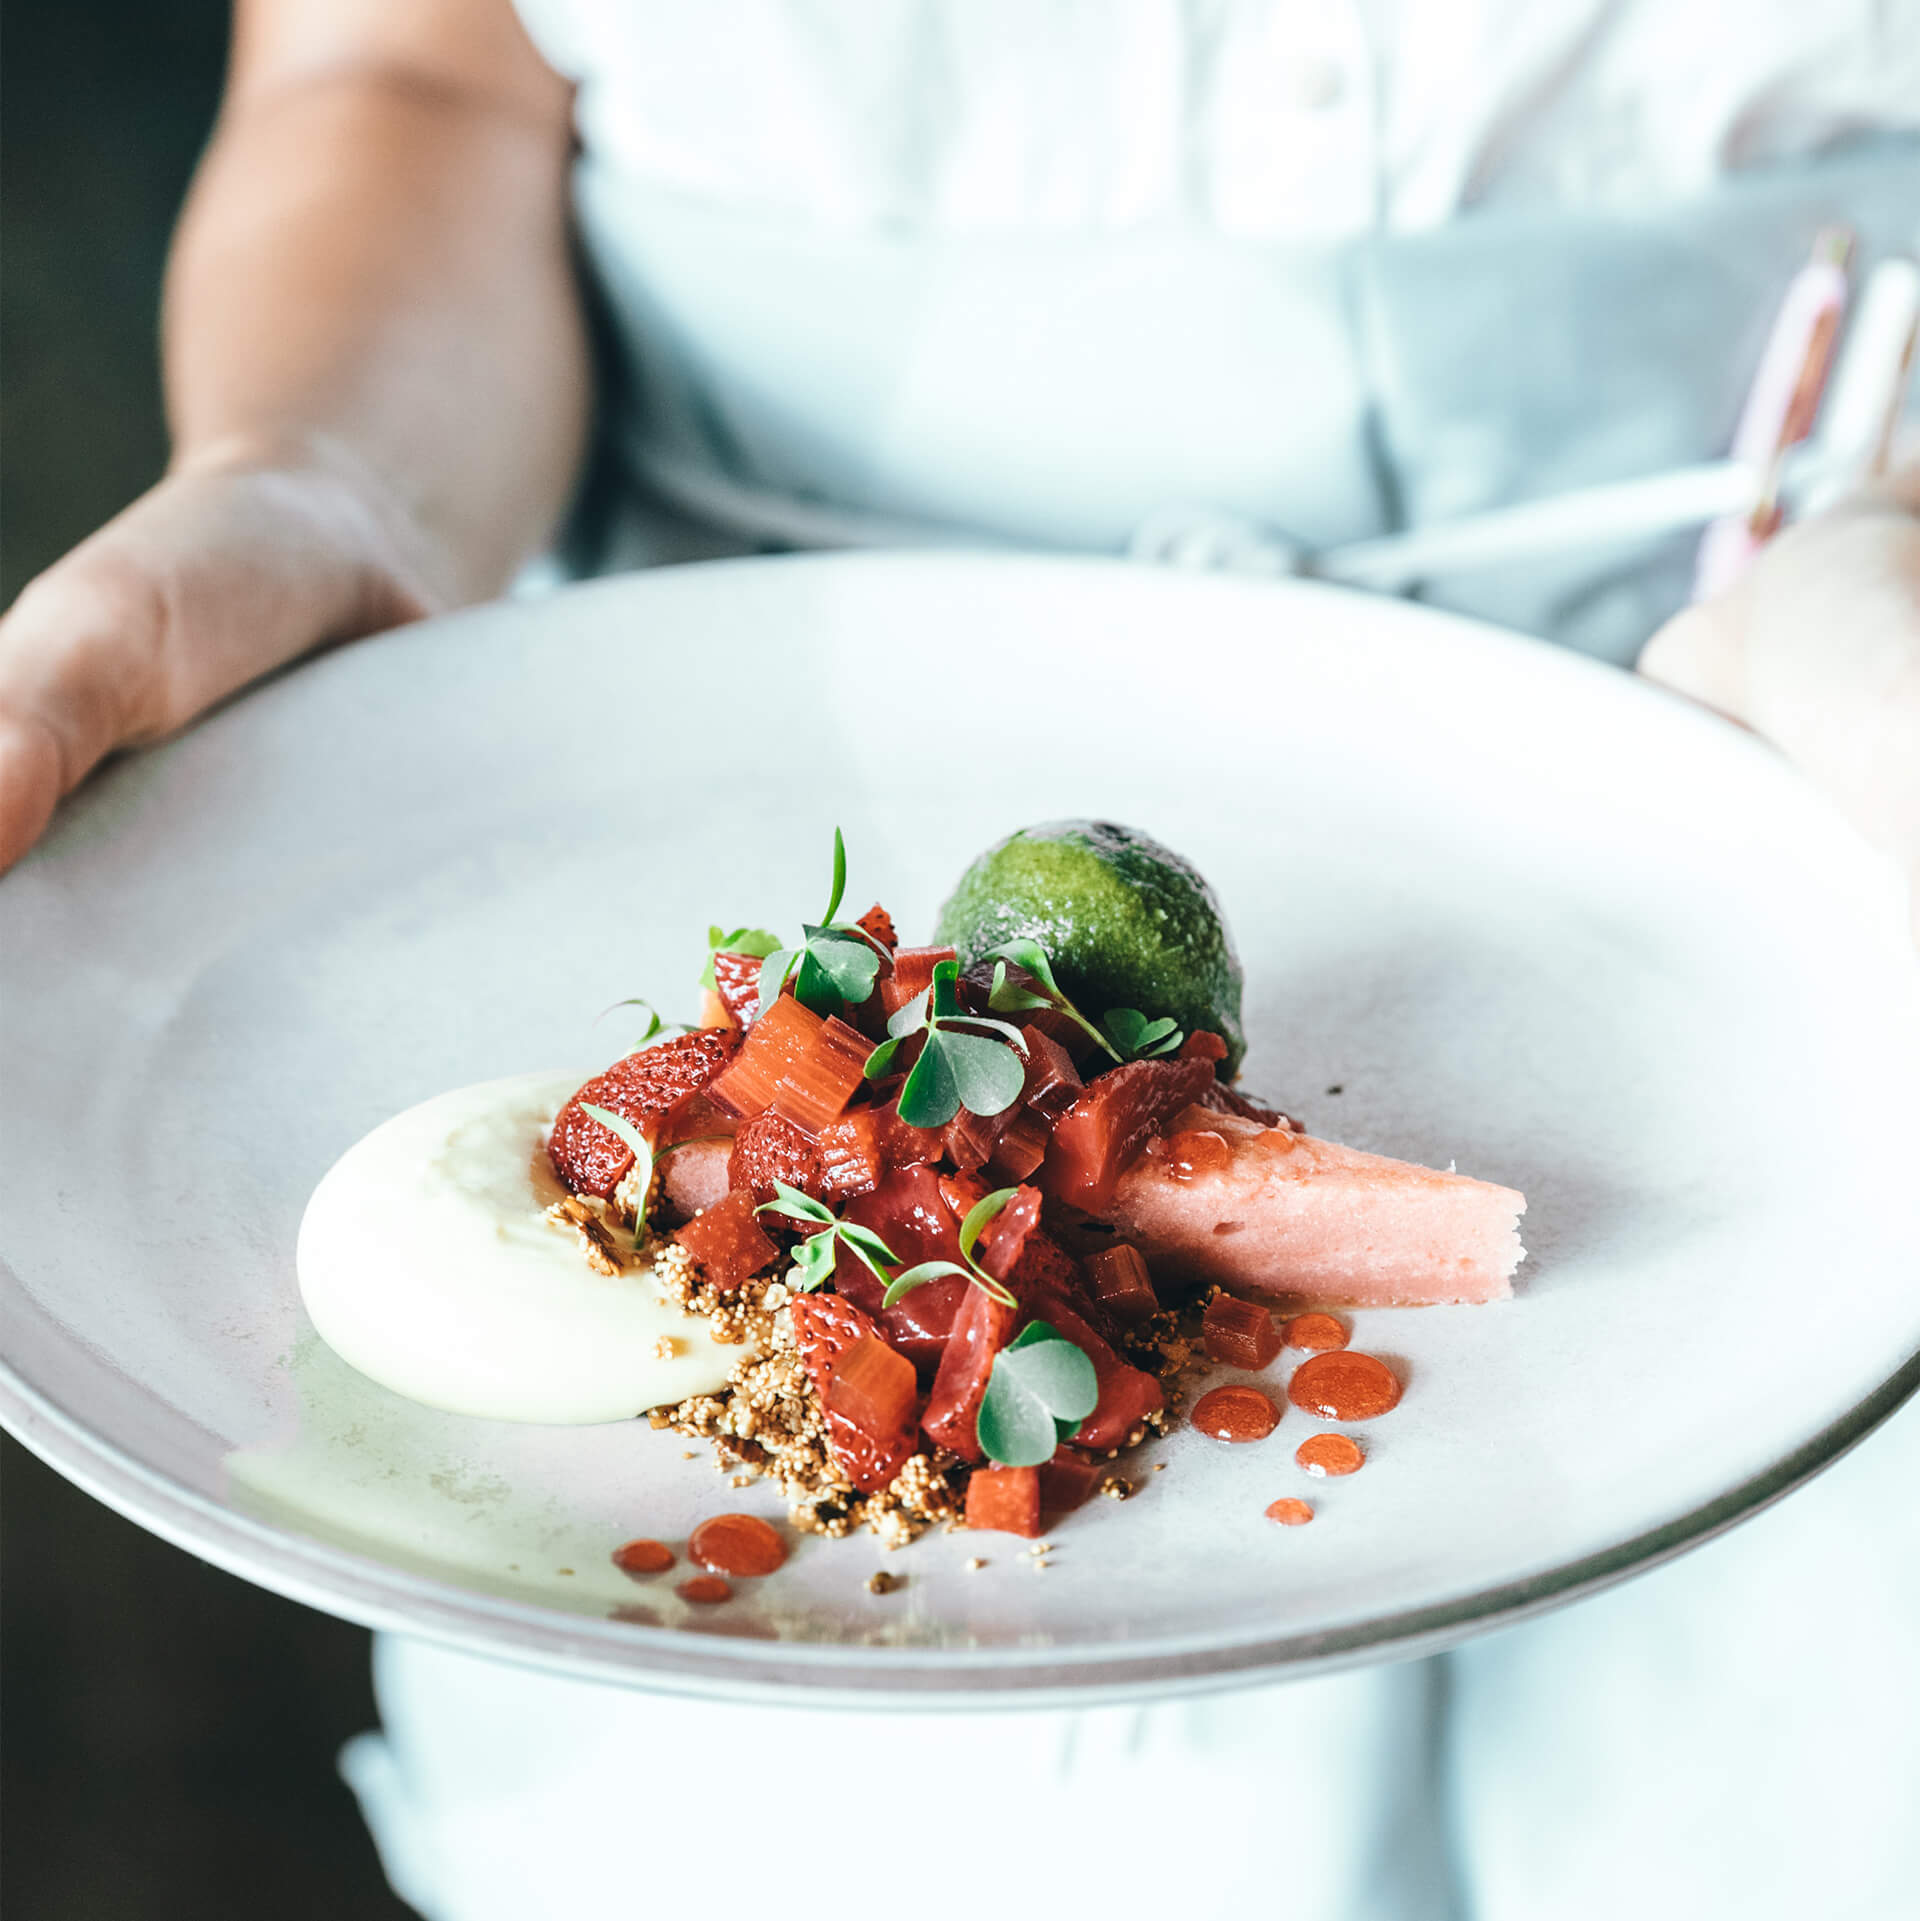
column 917, row 1232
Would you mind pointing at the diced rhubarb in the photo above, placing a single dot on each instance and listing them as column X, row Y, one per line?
column 1120, row 1283
column 875, row 1388
column 736, row 979
column 592, row 1159
column 1127, row 1394
column 828, row 1329
column 768, row 1149
column 911, row 1215
column 775, row 1045
column 865, row 1145
column 982, row 1326
column 815, row 1090
column 1101, row 1135
column 879, row 923
column 1003, row 1241
column 1004, row 1500
column 1067, row 1480
column 1239, row 1333
column 912, row 974
column 972, row 1138
column 1021, row 1148
column 1053, row 1083
column 1294, row 1220
column 728, row 1241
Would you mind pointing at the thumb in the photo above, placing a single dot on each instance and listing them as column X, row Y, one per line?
column 1698, row 653
column 31, row 779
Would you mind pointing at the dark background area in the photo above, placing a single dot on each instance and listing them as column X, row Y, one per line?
column 167, row 1732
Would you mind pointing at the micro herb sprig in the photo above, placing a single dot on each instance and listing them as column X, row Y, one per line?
column 837, row 961
column 1041, row 1388
column 643, row 1160
column 958, row 1067
column 813, row 1258
column 978, row 1215
column 655, row 1025
column 1124, row 1032
column 742, row 940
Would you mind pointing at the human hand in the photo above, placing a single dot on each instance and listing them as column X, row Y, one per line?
column 231, row 566
column 1818, row 649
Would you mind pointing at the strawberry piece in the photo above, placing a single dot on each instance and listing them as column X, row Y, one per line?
column 1127, row 1394
column 879, row 923
column 981, row 1327
column 827, row 1329
column 1120, row 1282
column 874, row 1388
column 592, row 1159
column 728, row 1241
column 1045, row 1264
column 1101, row 1135
column 736, row 982
column 1239, row 1333
column 768, row 1149
column 910, row 1211
column 912, row 974
column 1067, row 1480
column 1004, row 1500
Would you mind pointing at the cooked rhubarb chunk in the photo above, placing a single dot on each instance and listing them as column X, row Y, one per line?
column 981, row 1327
column 875, row 1389
column 1053, row 1083
column 592, row 1159
column 912, row 974
column 776, row 1043
column 1103, row 1132
column 1239, row 1333
column 1120, row 1282
column 1004, row 1500
column 1020, row 1150
column 827, row 1328
column 1067, row 1480
column 1293, row 1220
column 728, row 1241
column 816, row 1088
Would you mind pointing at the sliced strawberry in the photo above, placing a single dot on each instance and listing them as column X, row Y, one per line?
column 768, row 1149
column 1101, row 1135
column 592, row 1159
column 981, row 1327
column 736, row 982
column 879, row 923
column 828, row 1330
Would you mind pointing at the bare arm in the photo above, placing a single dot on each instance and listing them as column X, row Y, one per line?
column 377, row 378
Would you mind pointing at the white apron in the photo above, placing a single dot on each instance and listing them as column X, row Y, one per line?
column 868, row 274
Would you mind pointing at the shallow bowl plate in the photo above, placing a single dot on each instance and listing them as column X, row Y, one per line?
column 1497, row 906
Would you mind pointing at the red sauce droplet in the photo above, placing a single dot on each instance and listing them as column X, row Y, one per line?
column 1236, row 1414
column 1329, row 1454
column 1290, row 1513
column 704, row 1589
column 740, row 1544
column 643, row 1557
column 1344, row 1386
column 1319, row 1332
column 1195, row 1152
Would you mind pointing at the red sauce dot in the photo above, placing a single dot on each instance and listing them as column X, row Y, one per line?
column 1235, row 1414
column 740, row 1544
column 1329, row 1454
column 704, row 1589
column 1290, row 1513
column 1194, row 1152
column 1344, row 1386
column 1316, row 1331
column 643, row 1557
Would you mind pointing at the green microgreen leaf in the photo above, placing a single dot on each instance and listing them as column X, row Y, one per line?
column 904, row 1283
column 980, row 1215
column 931, row 1095
column 880, row 1060
column 1008, row 997
column 1041, row 1388
column 813, row 1258
column 986, row 1073
column 773, row 974
column 847, row 960
column 642, row 1160
column 944, row 991
column 1138, row 1038
column 796, row 1206
column 813, row 1262
column 839, row 877
column 739, row 940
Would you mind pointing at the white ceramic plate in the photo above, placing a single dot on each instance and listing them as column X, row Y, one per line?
column 1523, row 912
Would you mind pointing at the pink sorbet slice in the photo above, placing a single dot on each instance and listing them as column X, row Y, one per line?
column 1291, row 1219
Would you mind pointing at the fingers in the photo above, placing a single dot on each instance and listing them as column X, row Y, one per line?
column 1697, row 653
column 30, row 784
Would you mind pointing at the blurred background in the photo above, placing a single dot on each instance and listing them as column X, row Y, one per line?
column 167, row 1733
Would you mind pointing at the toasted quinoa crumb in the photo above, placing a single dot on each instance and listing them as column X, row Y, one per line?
column 975, row 1564
column 881, row 1582
column 1116, row 1487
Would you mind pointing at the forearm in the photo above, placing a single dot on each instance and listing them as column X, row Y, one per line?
column 373, row 274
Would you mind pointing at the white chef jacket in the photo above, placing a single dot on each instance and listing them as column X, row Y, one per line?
column 1025, row 270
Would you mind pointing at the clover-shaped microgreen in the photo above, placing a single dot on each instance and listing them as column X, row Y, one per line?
column 1041, row 1388
column 837, row 961
column 1136, row 1037
column 958, row 1067
column 813, row 1258
column 978, row 1215
column 741, row 940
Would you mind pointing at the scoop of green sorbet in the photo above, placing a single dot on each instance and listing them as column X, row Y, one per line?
column 1125, row 921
